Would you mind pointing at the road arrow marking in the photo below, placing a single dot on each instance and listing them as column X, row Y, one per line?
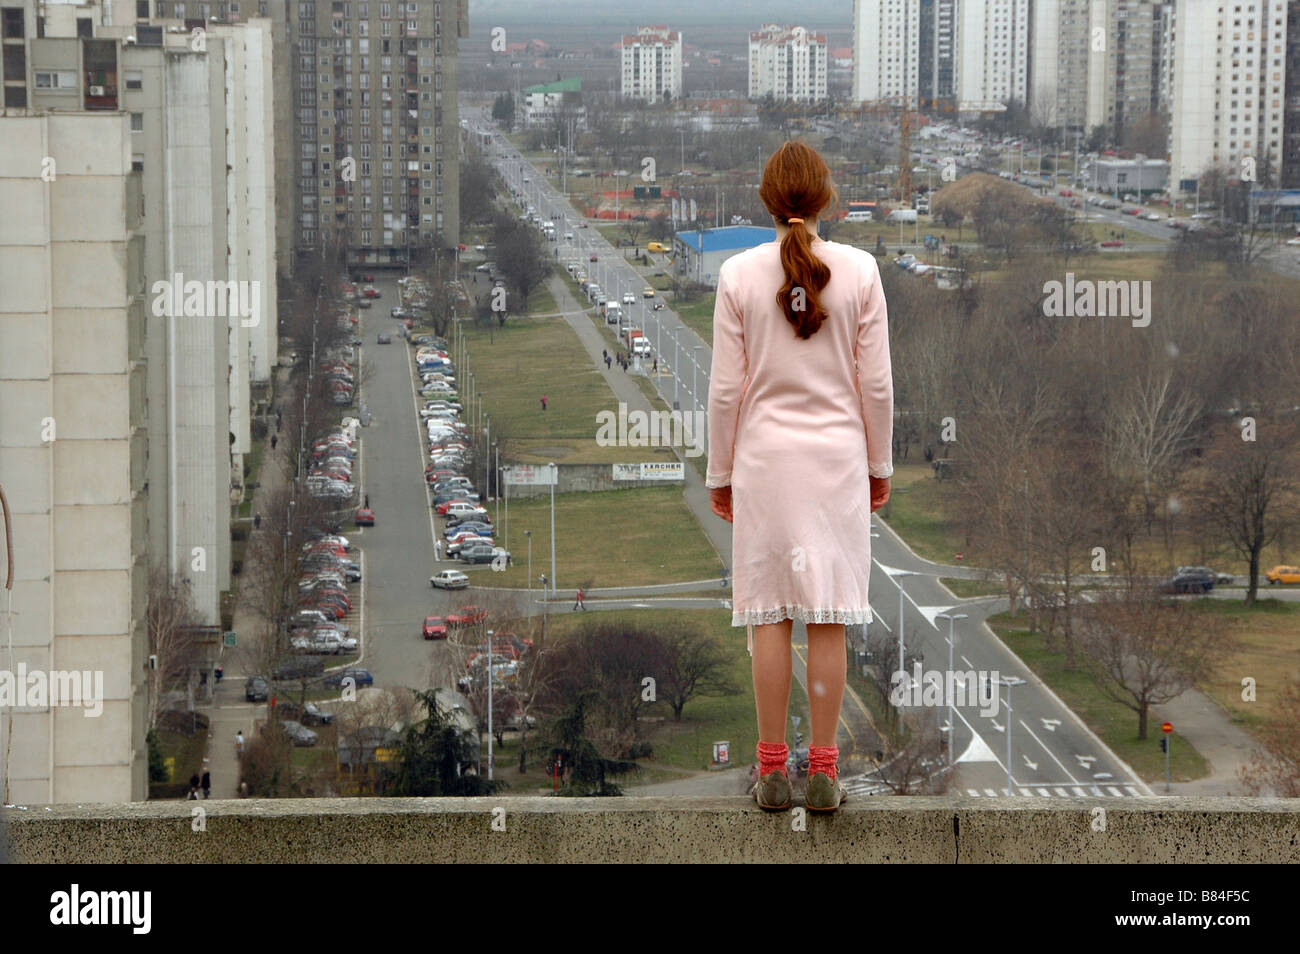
column 930, row 612
column 1086, row 760
column 1050, row 724
column 1033, row 766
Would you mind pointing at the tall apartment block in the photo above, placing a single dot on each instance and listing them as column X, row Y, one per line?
column 992, row 53
column 1099, row 63
column 651, row 62
column 148, row 400
column 1229, row 87
column 73, row 437
column 886, row 50
column 788, row 63
column 368, row 125
column 937, row 49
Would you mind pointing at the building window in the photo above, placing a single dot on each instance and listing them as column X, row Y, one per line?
column 134, row 79
column 14, row 25
column 137, row 122
column 137, row 162
column 56, row 79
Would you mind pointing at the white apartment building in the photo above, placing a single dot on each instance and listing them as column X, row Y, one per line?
column 886, row 50
column 993, row 51
column 787, row 63
column 73, row 444
column 1229, row 82
column 651, row 64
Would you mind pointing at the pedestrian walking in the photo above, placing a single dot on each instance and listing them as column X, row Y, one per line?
column 656, row 366
column 239, row 742
column 812, row 449
column 578, row 605
column 257, row 521
column 277, row 420
column 437, row 550
column 604, row 354
column 194, row 788
column 207, row 783
column 543, row 402
column 274, row 440
column 724, row 577
column 243, row 789
column 609, row 362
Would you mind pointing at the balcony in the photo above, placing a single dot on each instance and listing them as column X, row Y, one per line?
column 662, row 830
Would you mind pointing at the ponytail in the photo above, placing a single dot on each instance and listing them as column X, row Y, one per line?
column 805, row 277
column 797, row 183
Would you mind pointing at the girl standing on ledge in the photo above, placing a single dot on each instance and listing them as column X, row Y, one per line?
column 801, row 406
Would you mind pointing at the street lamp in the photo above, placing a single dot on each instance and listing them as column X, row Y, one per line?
column 490, row 675
column 529, row 535
column 898, row 579
column 952, row 641
column 695, row 366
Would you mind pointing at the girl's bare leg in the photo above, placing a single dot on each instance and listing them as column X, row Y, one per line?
column 772, row 671
column 826, row 668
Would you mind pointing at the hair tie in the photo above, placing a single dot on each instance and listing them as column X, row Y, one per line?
column 792, row 221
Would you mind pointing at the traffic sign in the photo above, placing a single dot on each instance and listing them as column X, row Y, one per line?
column 1166, row 727
column 229, row 638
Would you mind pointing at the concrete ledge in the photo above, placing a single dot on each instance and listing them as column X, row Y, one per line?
column 659, row 830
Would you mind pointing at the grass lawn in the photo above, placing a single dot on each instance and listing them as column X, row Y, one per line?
column 1116, row 724
column 969, row 588
column 515, row 365
column 649, row 537
column 916, row 511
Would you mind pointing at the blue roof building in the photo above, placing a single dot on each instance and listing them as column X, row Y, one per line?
column 701, row 252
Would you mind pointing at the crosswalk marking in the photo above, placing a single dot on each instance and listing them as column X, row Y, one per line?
column 1062, row 792
column 1131, row 790
column 1025, row 791
column 1078, row 791
column 1044, row 792
column 991, row 792
column 973, row 792
column 1114, row 791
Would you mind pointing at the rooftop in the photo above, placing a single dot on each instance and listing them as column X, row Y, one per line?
column 727, row 238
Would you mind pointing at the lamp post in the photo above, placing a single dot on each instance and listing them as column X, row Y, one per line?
column 554, row 475
column 529, row 535
column 695, row 366
column 952, row 642
column 898, row 580
column 490, row 674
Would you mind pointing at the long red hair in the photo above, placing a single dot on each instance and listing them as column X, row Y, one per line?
column 797, row 184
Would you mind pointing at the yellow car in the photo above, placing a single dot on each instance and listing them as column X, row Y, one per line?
column 1283, row 574
column 656, row 247
column 647, row 292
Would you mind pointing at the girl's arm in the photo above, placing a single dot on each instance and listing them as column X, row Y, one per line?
column 875, row 376
column 726, row 381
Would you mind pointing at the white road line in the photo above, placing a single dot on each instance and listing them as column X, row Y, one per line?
column 973, row 792
column 1062, row 792
column 1049, row 752
column 1114, row 791
column 1045, row 793
column 1079, row 791
column 1130, row 790
column 991, row 792
column 1025, row 791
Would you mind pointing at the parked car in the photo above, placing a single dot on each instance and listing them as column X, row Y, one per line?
column 466, row 615
column 435, row 627
column 298, row 668
column 1219, row 578
column 365, row 517
column 1283, row 574
column 298, row 733
column 479, row 553
column 360, row 677
column 383, row 339
column 449, row 580
column 256, row 689
column 1187, row 583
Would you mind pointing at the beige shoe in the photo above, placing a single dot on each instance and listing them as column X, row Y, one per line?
column 825, row 794
column 772, row 792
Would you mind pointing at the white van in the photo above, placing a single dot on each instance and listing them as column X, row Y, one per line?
column 858, row 215
column 613, row 313
column 902, row 215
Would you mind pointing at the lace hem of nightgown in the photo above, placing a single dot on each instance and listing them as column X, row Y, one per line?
column 752, row 618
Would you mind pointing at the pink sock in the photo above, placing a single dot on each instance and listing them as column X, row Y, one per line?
column 823, row 758
column 772, row 757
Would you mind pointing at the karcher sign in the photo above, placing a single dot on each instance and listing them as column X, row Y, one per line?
column 656, row 470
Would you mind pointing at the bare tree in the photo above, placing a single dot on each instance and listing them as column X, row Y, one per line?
column 170, row 618
column 1274, row 769
column 1143, row 651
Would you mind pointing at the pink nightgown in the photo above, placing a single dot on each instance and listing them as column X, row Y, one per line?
column 795, row 427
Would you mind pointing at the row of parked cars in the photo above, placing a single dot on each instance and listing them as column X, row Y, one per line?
column 327, row 572
column 330, row 473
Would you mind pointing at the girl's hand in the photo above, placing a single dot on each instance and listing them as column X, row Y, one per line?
column 720, row 500
column 879, row 492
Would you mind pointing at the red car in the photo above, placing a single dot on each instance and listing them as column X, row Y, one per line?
column 368, row 277
column 1075, row 204
column 467, row 615
column 435, row 627
column 1066, row 192
column 1111, row 243
column 370, row 291
column 593, row 257
column 442, row 507
column 365, row 517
